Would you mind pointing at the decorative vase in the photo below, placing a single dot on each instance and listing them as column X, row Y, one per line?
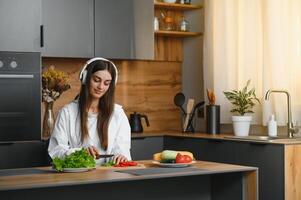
column 48, row 120
column 213, row 119
column 241, row 125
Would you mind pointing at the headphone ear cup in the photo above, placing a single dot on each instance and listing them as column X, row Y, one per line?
column 84, row 77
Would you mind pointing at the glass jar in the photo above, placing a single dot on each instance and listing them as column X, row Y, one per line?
column 184, row 25
column 168, row 24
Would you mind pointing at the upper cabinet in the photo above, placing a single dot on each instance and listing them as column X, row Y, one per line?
column 20, row 25
column 124, row 29
column 68, row 28
column 119, row 29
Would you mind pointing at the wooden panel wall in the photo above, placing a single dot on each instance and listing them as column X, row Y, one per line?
column 146, row 87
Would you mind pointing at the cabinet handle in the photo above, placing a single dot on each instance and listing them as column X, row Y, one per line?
column 257, row 143
column 138, row 138
column 42, row 35
column 215, row 140
column 16, row 76
column 6, row 143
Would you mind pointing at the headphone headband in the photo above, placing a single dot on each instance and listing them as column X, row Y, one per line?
column 84, row 71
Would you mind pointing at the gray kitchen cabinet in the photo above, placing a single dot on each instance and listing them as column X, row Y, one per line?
column 68, row 28
column 143, row 148
column 269, row 158
column 196, row 146
column 20, row 25
column 124, row 29
column 204, row 149
column 23, row 154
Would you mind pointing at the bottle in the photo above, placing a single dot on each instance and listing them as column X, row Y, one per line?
column 272, row 126
column 156, row 24
column 184, row 25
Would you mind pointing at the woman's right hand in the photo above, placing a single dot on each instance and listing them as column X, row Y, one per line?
column 92, row 151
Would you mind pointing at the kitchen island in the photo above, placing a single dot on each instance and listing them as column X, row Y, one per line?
column 201, row 180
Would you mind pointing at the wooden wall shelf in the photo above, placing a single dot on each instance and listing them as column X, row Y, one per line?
column 176, row 6
column 177, row 34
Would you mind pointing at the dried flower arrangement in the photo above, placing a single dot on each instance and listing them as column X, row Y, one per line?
column 54, row 83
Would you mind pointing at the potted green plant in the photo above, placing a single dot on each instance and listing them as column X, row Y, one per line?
column 243, row 102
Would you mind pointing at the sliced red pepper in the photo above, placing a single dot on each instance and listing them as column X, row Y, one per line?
column 126, row 164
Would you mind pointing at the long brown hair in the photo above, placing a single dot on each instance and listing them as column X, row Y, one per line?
column 105, row 104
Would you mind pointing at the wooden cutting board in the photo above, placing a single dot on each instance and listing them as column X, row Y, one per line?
column 139, row 166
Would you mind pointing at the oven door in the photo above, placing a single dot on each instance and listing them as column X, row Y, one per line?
column 20, row 107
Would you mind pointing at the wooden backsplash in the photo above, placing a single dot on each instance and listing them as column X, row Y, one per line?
column 147, row 87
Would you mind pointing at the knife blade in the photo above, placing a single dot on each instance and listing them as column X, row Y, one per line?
column 104, row 156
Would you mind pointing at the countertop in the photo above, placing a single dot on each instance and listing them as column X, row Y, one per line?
column 212, row 136
column 45, row 177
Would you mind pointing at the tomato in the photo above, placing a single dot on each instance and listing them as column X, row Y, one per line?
column 126, row 164
column 188, row 159
column 183, row 158
column 180, row 158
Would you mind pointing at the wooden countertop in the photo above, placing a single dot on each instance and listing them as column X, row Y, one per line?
column 49, row 178
column 212, row 136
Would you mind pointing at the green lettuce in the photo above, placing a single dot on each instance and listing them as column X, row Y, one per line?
column 78, row 159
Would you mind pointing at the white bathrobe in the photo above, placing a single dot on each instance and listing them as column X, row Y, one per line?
column 65, row 138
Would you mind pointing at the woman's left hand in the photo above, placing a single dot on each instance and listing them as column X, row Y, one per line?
column 119, row 158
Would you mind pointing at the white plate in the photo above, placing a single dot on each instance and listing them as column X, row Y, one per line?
column 84, row 169
column 172, row 164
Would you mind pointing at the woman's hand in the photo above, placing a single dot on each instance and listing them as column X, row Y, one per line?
column 119, row 158
column 92, row 151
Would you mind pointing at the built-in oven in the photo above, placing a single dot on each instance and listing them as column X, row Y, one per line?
column 20, row 96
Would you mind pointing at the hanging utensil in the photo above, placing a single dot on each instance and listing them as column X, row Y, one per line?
column 189, row 108
column 179, row 100
column 189, row 125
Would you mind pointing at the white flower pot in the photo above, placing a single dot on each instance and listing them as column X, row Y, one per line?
column 241, row 125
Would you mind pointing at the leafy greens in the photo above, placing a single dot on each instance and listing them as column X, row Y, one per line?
column 78, row 159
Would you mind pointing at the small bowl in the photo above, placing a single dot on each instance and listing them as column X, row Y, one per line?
column 169, row 1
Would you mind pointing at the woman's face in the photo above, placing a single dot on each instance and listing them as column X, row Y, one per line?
column 99, row 83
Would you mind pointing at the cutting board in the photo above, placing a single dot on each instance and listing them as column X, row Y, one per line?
column 139, row 166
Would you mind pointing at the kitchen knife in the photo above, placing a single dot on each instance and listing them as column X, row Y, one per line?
column 104, row 156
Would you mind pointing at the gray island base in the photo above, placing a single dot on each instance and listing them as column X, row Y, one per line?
column 202, row 180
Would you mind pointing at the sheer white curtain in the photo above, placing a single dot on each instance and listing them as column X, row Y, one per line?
column 258, row 40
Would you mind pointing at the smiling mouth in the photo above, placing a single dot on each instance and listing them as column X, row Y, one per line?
column 98, row 92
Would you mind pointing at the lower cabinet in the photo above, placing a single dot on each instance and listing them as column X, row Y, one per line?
column 204, row 149
column 23, row 154
column 269, row 158
column 143, row 148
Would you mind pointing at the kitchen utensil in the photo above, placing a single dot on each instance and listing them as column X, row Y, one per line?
column 189, row 108
column 104, row 156
column 135, row 122
column 179, row 100
column 213, row 119
column 190, row 126
column 211, row 96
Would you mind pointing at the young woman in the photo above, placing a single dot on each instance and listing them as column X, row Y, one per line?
column 92, row 121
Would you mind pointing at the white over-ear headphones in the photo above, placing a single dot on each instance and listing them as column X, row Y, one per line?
column 84, row 71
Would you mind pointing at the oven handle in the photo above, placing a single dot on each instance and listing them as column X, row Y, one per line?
column 16, row 76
